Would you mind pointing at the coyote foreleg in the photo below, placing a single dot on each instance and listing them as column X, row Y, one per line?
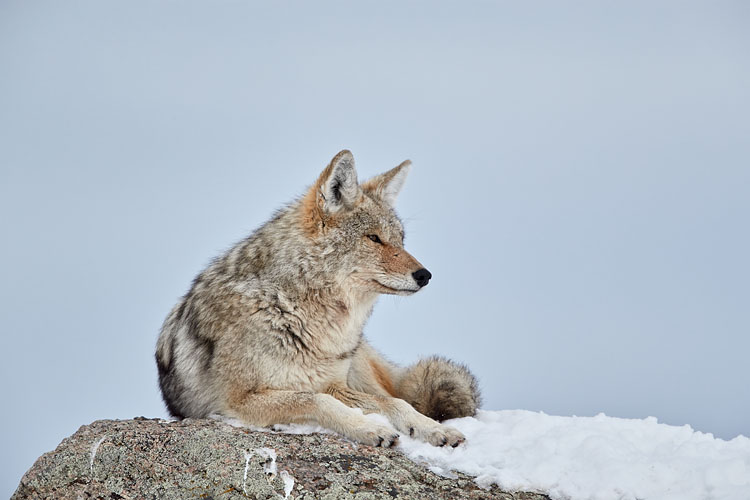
column 270, row 407
column 401, row 414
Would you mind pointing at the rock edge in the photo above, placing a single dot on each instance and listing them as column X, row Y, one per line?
column 209, row 459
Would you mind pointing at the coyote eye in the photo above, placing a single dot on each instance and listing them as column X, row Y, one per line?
column 375, row 238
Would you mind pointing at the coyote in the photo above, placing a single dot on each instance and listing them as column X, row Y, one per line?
column 271, row 332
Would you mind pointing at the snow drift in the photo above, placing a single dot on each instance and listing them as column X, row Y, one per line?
column 597, row 458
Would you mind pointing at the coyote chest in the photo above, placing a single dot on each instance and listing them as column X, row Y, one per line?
column 317, row 340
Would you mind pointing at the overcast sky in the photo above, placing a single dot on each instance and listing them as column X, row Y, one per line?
column 579, row 191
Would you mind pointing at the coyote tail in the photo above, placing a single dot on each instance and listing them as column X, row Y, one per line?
column 440, row 389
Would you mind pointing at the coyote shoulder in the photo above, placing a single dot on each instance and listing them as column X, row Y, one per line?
column 271, row 331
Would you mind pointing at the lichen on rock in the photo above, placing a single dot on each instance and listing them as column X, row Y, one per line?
column 156, row 459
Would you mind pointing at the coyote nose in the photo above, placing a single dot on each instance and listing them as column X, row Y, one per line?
column 422, row 276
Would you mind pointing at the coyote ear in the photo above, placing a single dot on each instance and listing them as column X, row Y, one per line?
column 386, row 186
column 337, row 186
column 336, row 189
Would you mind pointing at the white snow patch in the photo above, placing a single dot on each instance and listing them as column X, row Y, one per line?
column 301, row 429
column 94, row 449
column 278, row 428
column 288, row 483
column 248, row 456
column 269, row 466
column 235, row 422
column 591, row 458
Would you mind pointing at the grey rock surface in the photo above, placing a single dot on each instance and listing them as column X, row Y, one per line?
column 142, row 458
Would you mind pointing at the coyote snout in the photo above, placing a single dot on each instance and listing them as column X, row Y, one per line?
column 271, row 332
column 399, row 273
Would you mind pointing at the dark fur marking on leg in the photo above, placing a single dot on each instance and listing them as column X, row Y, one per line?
column 170, row 384
column 205, row 346
column 161, row 366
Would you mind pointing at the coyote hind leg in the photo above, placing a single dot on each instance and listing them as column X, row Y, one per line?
column 271, row 407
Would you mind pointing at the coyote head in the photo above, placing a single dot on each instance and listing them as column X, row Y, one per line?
column 357, row 230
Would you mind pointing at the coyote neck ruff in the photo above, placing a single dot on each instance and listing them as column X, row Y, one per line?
column 271, row 332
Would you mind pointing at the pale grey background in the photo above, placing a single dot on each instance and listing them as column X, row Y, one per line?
column 579, row 191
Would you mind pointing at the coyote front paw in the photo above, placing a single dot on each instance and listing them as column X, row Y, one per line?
column 377, row 435
column 439, row 435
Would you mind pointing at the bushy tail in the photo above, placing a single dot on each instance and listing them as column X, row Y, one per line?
column 440, row 388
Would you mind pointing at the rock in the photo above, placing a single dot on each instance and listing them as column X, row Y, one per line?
column 209, row 459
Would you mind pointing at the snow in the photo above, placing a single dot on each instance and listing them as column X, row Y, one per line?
column 248, row 456
column 596, row 458
column 269, row 465
column 280, row 428
column 583, row 458
column 269, row 455
column 288, row 483
column 94, row 449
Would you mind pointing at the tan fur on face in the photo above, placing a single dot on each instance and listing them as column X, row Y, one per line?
column 311, row 212
column 397, row 260
column 314, row 219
